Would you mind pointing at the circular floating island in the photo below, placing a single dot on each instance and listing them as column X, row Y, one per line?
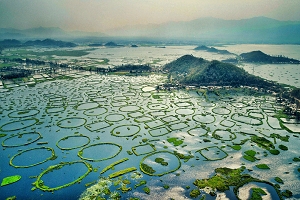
column 71, row 122
column 21, row 139
column 129, row 108
column 17, row 125
column 105, row 151
column 86, row 106
column 160, row 163
column 33, row 156
column 184, row 111
column 206, row 119
column 40, row 184
column 95, row 111
column 23, row 113
column 125, row 130
column 114, row 117
column 221, row 111
column 157, row 106
column 72, row 142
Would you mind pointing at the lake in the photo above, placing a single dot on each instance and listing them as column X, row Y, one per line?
column 94, row 125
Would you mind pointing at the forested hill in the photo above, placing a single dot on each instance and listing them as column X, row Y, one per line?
column 296, row 93
column 197, row 71
column 212, row 50
column 260, row 57
column 9, row 43
column 186, row 64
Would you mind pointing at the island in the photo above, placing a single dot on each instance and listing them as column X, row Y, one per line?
column 261, row 57
column 212, row 50
column 190, row 70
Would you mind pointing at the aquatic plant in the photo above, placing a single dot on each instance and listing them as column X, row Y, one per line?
column 194, row 193
column 121, row 172
column 113, row 164
column 80, row 152
column 10, row 179
column 20, row 135
column 146, row 190
column 278, row 180
column 257, row 193
column 51, row 157
column 98, row 190
column 39, row 183
column 73, row 136
column 262, row 166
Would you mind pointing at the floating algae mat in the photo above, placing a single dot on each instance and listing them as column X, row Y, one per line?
column 10, row 179
column 117, row 137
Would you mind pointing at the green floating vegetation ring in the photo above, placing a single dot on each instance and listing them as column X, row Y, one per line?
column 184, row 111
column 217, row 134
column 206, row 119
column 50, row 110
column 80, row 152
column 23, row 113
column 157, row 106
column 73, row 136
column 197, row 131
column 20, row 135
column 71, row 122
column 143, row 149
column 114, row 117
column 99, row 99
column 87, row 106
column 184, row 104
column 246, row 119
column 120, row 132
column 216, row 150
column 39, row 183
column 227, row 123
column 130, row 108
column 206, row 104
column 17, row 125
column 160, row 174
column 52, row 157
column 221, row 111
column 120, row 98
column 95, row 111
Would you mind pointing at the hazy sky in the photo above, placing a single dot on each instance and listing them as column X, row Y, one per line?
column 101, row 15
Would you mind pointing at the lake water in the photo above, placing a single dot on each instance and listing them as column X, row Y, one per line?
column 99, row 119
column 282, row 73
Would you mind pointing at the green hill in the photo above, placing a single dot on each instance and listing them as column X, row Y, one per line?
column 212, row 50
column 49, row 43
column 197, row 71
column 260, row 57
column 186, row 64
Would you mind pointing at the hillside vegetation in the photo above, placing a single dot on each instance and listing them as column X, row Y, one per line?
column 197, row 71
column 260, row 57
column 212, row 50
column 296, row 93
column 9, row 43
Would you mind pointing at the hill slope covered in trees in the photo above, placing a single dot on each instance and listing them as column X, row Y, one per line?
column 198, row 71
column 260, row 57
column 212, row 50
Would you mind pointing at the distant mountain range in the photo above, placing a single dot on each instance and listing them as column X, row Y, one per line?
column 43, row 33
column 8, row 43
column 253, row 30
